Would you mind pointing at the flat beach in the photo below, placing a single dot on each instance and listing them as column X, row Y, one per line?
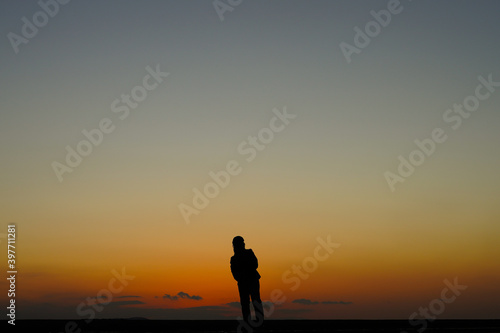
column 281, row 326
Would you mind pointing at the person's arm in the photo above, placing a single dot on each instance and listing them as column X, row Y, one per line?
column 255, row 261
column 234, row 269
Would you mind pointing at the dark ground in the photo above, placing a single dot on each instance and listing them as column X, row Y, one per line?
column 281, row 326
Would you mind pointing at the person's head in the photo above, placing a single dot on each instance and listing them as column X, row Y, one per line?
column 238, row 243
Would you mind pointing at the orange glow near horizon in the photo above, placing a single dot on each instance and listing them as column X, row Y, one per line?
column 361, row 270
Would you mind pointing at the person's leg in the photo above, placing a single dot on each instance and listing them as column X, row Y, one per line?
column 257, row 302
column 244, row 301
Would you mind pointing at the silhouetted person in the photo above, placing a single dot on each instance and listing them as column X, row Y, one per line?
column 244, row 265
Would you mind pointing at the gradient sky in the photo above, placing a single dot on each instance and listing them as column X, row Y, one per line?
column 322, row 175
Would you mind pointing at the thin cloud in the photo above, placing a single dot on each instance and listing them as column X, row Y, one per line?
column 182, row 294
column 234, row 304
column 267, row 304
column 305, row 301
column 335, row 302
column 120, row 303
column 185, row 295
column 172, row 298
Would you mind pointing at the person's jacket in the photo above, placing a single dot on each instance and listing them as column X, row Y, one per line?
column 244, row 266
